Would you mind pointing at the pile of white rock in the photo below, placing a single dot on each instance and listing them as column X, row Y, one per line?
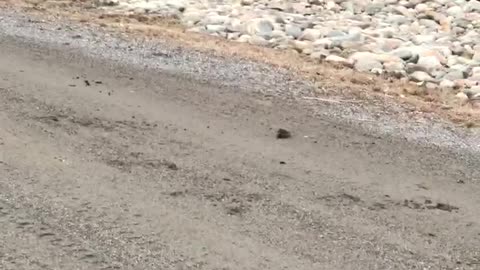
column 431, row 42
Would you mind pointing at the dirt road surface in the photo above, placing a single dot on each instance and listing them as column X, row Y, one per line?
column 112, row 166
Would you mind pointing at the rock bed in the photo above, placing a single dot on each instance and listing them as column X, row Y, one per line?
column 433, row 43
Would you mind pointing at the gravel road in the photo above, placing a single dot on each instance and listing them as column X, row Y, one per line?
column 110, row 162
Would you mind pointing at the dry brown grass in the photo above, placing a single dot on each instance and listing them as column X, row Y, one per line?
column 331, row 79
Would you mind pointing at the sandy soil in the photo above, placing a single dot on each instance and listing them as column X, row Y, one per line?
column 108, row 166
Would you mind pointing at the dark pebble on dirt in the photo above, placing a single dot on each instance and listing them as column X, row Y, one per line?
column 177, row 193
column 235, row 210
column 443, row 206
column 161, row 54
column 172, row 166
column 283, row 134
column 87, row 83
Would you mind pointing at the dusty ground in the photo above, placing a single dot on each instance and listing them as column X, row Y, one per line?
column 109, row 165
column 331, row 80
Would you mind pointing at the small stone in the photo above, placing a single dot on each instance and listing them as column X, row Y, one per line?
column 429, row 63
column 475, row 78
column 280, row 35
column 293, row 30
column 473, row 93
column 429, row 23
column 172, row 166
column 444, row 207
column 398, row 19
column 367, row 64
column 461, row 67
column 398, row 74
column 390, row 44
column 393, row 66
column 461, row 96
column 423, row 39
column 244, row 38
column 109, row 3
column 260, row 27
column 454, row 75
column 311, row 34
column 377, row 71
column 380, row 57
column 315, row 2
column 421, row 76
column 350, row 45
column 233, row 36
column 259, row 41
column 351, row 36
column 280, row 7
column 215, row 28
column 307, row 51
column 476, row 55
column 447, row 84
column 457, row 49
column 340, row 60
column 403, row 53
column 302, row 45
column 421, row 7
column 455, row 11
column 336, row 33
column 324, row 43
column 473, row 6
column 476, row 71
column 410, row 68
column 283, row 134
column 247, row 2
column 431, row 86
column 319, row 55
column 401, row 10
column 214, row 19
column 194, row 17
column 437, row 74
column 330, row 5
column 236, row 25
column 374, row 8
